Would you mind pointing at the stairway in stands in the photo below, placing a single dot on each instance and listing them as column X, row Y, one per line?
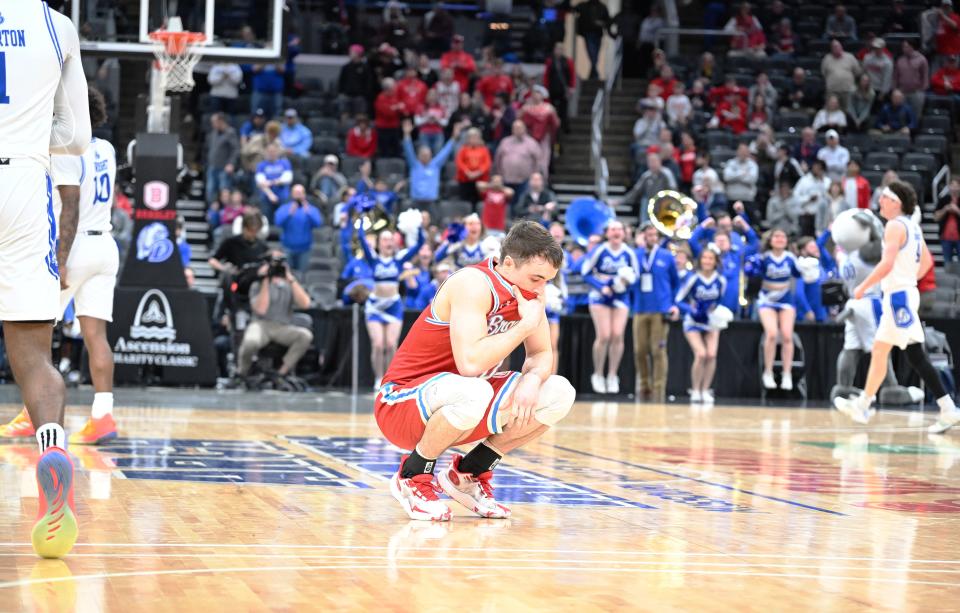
column 572, row 176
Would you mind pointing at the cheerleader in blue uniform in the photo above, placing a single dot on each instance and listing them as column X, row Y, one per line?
column 384, row 308
column 610, row 269
column 777, row 306
column 698, row 299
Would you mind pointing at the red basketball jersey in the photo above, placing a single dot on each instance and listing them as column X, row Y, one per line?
column 426, row 348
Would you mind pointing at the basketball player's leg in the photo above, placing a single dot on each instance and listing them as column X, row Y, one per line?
column 600, row 314
column 618, row 324
column 771, row 327
column 468, row 479
column 101, row 426
column 29, row 298
column 428, row 416
column 920, row 362
column 93, row 264
column 787, row 318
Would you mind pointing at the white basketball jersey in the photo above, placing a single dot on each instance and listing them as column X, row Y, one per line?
column 906, row 266
column 34, row 43
column 99, row 165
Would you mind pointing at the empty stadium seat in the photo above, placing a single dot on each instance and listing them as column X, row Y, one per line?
column 390, row 166
column 323, row 145
column 934, row 124
column 881, row 160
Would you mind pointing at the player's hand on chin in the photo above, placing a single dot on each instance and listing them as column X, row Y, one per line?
column 525, row 399
column 531, row 311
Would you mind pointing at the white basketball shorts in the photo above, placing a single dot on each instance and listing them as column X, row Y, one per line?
column 900, row 322
column 29, row 280
column 91, row 276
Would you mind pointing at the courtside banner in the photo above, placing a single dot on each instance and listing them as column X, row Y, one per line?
column 163, row 334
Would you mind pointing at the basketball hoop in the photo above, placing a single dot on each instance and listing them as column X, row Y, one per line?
column 177, row 54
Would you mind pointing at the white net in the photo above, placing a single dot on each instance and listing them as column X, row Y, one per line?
column 177, row 55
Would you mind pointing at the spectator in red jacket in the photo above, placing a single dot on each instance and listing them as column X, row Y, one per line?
column 362, row 139
column 389, row 110
column 948, row 30
column 461, row 62
column 495, row 82
column 719, row 93
column 542, row 123
column 412, row 91
column 731, row 113
column 946, row 81
column 665, row 81
column 856, row 189
column 560, row 79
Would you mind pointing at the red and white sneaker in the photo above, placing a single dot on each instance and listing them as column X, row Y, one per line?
column 473, row 492
column 419, row 496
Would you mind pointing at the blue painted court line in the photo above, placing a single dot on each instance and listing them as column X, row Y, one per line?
column 705, row 482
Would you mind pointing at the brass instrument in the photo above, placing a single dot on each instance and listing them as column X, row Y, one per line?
column 374, row 221
column 673, row 214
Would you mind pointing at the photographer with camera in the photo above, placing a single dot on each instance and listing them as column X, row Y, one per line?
column 273, row 296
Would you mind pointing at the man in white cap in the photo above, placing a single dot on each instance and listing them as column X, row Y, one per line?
column 834, row 156
column 327, row 182
column 879, row 66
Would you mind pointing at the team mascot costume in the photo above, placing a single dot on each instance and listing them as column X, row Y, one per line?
column 858, row 234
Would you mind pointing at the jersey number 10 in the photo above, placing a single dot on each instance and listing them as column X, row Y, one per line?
column 4, row 98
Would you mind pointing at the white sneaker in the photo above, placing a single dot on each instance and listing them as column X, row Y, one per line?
column 418, row 496
column 696, row 396
column 613, row 384
column 856, row 408
column 945, row 422
column 707, row 397
column 473, row 492
column 599, row 384
column 768, row 381
column 786, row 381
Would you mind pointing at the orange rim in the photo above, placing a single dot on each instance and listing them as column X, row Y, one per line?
column 176, row 43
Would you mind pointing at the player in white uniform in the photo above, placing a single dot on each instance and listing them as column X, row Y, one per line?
column 90, row 274
column 43, row 111
column 905, row 259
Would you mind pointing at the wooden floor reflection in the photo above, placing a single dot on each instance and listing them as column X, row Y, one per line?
column 625, row 507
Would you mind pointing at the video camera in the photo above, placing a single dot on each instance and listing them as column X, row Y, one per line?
column 277, row 266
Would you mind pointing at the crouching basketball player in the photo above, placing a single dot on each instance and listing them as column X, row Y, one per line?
column 443, row 387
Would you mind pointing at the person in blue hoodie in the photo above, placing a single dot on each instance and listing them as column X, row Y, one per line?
column 297, row 220
column 653, row 303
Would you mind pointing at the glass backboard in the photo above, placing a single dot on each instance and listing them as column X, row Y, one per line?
column 235, row 30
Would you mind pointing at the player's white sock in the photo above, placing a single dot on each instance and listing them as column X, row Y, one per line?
column 102, row 405
column 51, row 435
column 946, row 404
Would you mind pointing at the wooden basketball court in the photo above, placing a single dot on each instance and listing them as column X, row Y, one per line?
column 625, row 507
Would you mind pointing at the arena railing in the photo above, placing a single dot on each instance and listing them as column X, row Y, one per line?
column 600, row 119
column 942, row 178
